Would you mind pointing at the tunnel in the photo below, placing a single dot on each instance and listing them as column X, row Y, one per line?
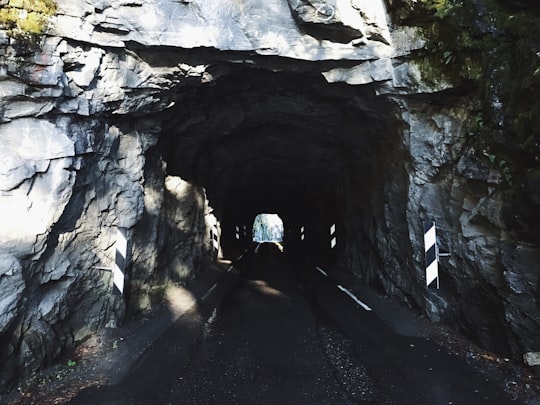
column 324, row 157
column 141, row 139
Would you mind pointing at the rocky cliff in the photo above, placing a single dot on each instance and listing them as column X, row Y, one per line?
column 133, row 114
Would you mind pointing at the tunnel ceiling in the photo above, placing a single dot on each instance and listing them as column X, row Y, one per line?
column 260, row 138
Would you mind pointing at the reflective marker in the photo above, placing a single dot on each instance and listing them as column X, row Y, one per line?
column 350, row 294
column 333, row 239
column 431, row 253
column 214, row 233
column 215, row 239
column 120, row 261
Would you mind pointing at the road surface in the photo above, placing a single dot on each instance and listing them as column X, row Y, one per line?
column 289, row 335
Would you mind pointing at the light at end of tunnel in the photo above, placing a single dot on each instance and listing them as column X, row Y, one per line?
column 267, row 228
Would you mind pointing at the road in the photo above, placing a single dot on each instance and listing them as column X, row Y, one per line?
column 288, row 335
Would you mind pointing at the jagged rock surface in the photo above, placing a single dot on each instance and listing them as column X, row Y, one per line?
column 124, row 97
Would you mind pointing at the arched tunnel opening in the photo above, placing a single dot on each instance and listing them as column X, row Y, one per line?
column 325, row 157
column 266, row 228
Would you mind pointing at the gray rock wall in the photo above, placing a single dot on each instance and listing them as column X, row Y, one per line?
column 61, row 208
column 71, row 174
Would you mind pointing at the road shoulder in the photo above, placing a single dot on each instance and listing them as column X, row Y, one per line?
column 112, row 353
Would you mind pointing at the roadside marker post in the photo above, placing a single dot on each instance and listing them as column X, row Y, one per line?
column 214, row 235
column 431, row 253
column 333, row 239
column 120, row 261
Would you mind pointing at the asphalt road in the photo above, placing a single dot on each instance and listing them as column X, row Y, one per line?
column 288, row 335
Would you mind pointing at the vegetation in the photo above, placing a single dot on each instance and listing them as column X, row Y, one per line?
column 26, row 20
column 490, row 51
column 511, row 59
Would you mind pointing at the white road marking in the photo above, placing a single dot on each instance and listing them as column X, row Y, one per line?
column 230, row 269
column 350, row 294
column 242, row 255
column 321, row 271
column 207, row 294
column 257, row 248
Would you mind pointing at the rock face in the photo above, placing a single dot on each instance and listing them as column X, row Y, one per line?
column 138, row 114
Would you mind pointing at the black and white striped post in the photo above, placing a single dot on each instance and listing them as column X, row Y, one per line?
column 120, row 261
column 333, row 239
column 215, row 237
column 431, row 253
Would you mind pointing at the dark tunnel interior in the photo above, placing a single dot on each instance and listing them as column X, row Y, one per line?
column 286, row 143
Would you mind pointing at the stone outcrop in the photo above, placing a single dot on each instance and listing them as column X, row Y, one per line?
column 69, row 180
column 130, row 108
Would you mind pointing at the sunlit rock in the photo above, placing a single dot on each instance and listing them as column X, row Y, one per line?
column 36, row 181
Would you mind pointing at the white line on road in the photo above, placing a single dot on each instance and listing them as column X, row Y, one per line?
column 242, row 255
column 230, row 269
column 321, row 271
column 206, row 294
column 350, row 294
column 257, row 248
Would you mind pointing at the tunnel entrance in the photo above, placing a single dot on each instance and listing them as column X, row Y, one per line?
column 267, row 228
column 325, row 156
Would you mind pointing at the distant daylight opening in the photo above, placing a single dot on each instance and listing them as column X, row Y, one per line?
column 267, row 228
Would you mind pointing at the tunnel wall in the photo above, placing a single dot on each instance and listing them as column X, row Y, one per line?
column 84, row 111
column 79, row 182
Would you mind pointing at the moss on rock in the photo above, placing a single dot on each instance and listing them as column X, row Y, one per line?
column 491, row 49
column 26, row 20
